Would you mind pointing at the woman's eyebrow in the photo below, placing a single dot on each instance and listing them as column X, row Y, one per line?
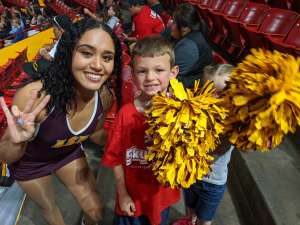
column 93, row 48
column 85, row 45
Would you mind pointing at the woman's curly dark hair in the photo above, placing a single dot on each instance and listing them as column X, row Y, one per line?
column 58, row 80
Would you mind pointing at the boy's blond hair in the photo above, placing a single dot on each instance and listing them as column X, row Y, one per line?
column 218, row 69
column 153, row 46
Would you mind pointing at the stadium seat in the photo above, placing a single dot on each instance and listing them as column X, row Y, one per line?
column 217, row 58
column 203, row 6
column 291, row 43
column 250, row 20
column 293, row 38
column 219, row 33
column 235, row 42
column 234, row 8
column 278, row 22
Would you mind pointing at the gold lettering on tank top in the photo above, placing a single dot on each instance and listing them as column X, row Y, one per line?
column 71, row 141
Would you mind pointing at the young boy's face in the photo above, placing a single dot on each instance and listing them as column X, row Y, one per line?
column 153, row 74
column 219, row 80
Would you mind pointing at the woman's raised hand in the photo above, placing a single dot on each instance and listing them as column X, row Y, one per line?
column 21, row 124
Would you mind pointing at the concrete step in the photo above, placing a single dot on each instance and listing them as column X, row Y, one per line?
column 266, row 186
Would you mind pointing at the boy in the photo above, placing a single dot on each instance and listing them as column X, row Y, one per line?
column 141, row 200
column 203, row 198
column 145, row 22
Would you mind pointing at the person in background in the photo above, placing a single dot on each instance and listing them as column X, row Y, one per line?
column 17, row 30
column 60, row 23
column 145, row 22
column 192, row 51
column 113, row 14
column 5, row 26
column 37, row 18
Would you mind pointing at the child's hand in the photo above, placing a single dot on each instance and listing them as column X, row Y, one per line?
column 126, row 205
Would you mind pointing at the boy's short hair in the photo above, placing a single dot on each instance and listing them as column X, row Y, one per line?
column 153, row 46
column 217, row 69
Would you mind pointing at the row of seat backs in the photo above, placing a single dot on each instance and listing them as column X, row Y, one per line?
column 250, row 24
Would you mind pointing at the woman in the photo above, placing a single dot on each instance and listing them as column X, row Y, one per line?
column 192, row 52
column 52, row 116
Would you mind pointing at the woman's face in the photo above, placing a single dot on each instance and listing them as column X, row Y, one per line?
column 93, row 59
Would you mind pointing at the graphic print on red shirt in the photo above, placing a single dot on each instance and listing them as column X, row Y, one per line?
column 126, row 146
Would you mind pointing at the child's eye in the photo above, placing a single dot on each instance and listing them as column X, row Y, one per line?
column 141, row 72
column 160, row 70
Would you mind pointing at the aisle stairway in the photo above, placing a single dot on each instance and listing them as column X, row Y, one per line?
column 226, row 214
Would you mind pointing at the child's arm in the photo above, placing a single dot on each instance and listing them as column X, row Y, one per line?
column 224, row 145
column 125, row 201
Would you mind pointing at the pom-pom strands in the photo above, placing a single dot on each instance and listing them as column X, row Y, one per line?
column 185, row 126
column 263, row 98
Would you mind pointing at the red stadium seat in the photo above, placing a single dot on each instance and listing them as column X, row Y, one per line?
column 217, row 58
column 218, row 33
column 293, row 37
column 253, row 14
column 251, row 19
column 278, row 22
column 203, row 6
column 234, row 43
column 234, row 8
column 291, row 43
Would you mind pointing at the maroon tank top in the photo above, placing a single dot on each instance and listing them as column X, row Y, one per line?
column 54, row 145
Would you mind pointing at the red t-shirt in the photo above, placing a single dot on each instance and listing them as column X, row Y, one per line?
column 126, row 146
column 147, row 23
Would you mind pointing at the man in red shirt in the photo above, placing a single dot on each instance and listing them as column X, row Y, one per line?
column 145, row 22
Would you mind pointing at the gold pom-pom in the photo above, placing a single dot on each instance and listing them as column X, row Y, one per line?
column 263, row 97
column 185, row 126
